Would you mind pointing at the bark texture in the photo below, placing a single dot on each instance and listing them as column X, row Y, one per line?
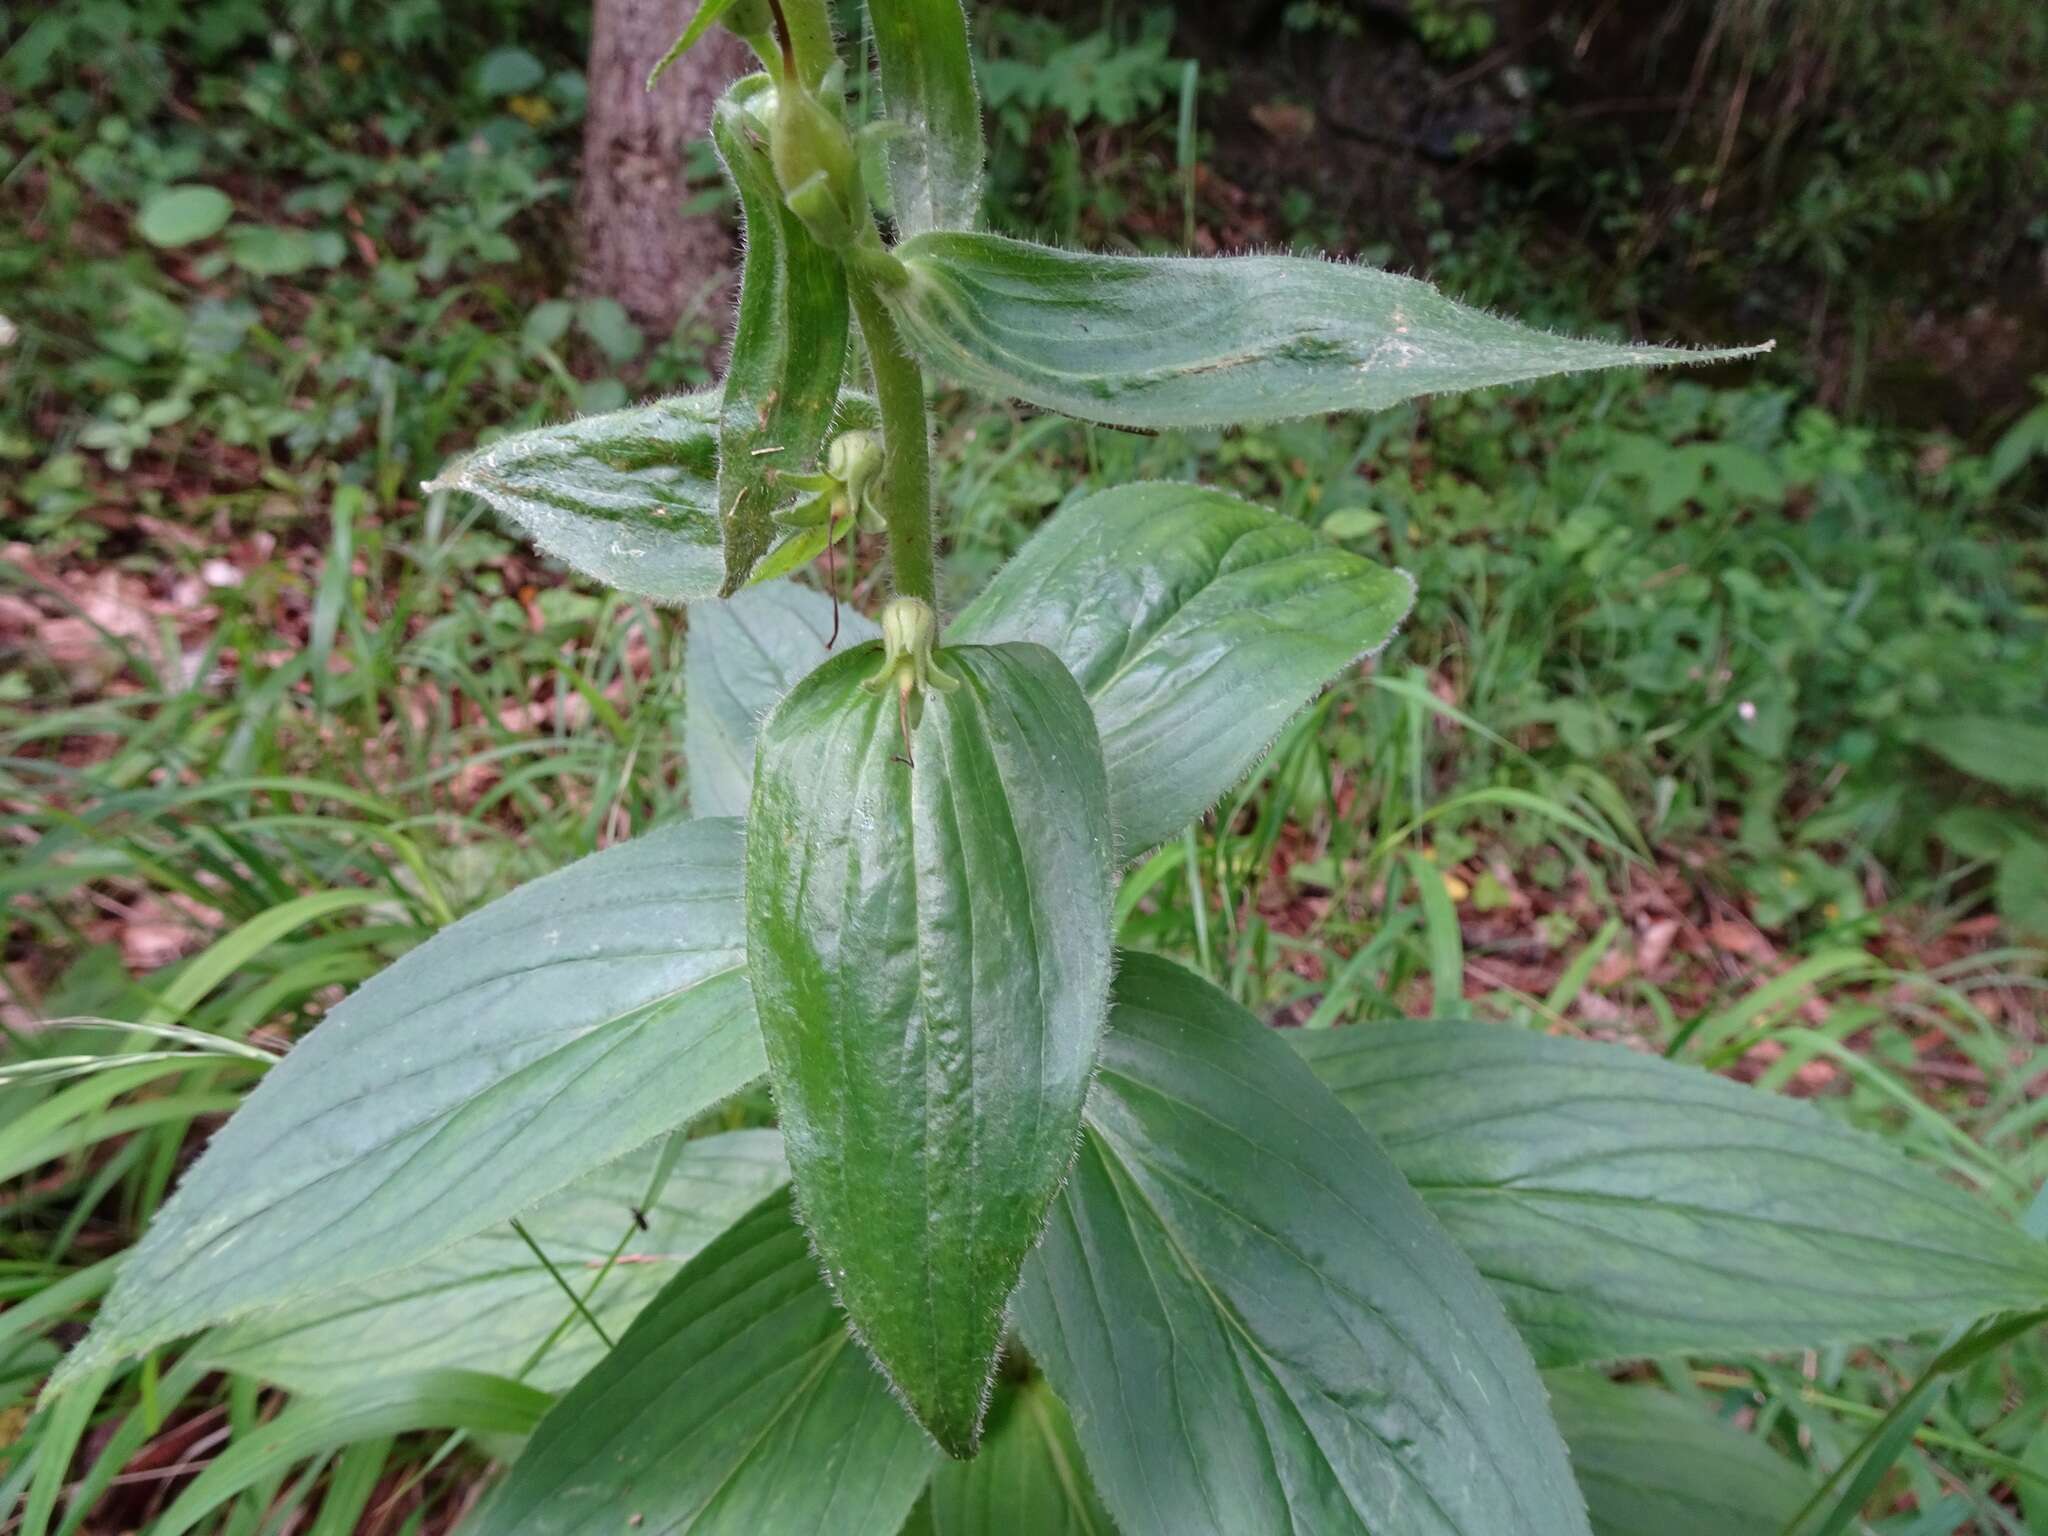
column 638, row 245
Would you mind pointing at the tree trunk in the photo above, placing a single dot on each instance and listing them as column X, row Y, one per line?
column 639, row 247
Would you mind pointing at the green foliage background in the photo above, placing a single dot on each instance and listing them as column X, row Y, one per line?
column 268, row 267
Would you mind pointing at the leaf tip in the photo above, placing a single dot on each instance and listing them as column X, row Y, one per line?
column 85, row 1359
column 454, row 476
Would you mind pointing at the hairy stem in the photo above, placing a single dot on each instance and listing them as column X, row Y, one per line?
column 804, row 30
column 904, row 493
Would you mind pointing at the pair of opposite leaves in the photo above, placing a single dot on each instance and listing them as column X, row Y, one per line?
column 929, row 919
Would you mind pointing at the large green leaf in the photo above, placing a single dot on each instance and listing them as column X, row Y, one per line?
column 487, row 1303
column 744, row 655
column 544, row 1036
column 628, row 498
column 1625, row 1205
column 934, row 112
column 1028, row 1480
column 1651, row 1465
column 1255, row 1322
column 1144, row 341
column 929, row 951
column 788, row 344
column 736, row 1405
column 1196, row 623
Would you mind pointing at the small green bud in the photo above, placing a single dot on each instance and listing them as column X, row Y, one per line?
column 855, row 461
column 852, row 456
column 910, row 633
column 815, row 165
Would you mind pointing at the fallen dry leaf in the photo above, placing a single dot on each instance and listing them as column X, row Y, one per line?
column 1735, row 938
column 1655, row 945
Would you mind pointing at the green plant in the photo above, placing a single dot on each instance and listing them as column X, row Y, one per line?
column 1056, row 101
column 1453, row 29
column 1803, row 175
column 1234, row 1309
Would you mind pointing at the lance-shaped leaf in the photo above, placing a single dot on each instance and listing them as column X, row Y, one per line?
column 629, row 498
column 929, row 951
column 546, row 1035
column 1625, row 1205
column 743, row 656
column 1029, row 1476
column 708, row 15
column 737, row 1404
column 928, row 93
column 1649, row 1463
column 1145, row 341
column 1255, row 1323
column 488, row 1303
column 788, row 345
column 1196, row 623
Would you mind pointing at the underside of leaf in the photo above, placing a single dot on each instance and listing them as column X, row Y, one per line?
column 541, row 1037
column 628, row 498
column 1144, row 341
column 1624, row 1205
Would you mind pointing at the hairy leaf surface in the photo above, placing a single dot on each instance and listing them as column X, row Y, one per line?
column 1625, row 1205
column 1147, row 341
column 928, row 92
column 1029, row 1476
column 1648, row 1462
column 1196, row 623
column 744, row 655
column 628, row 498
column 788, row 345
column 487, row 1303
column 546, row 1035
column 929, row 951
column 1254, row 1321
column 736, row 1404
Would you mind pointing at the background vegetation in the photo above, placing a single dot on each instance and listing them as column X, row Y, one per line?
column 1721, row 726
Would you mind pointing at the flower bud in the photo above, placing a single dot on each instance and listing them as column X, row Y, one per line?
column 815, row 165
column 910, row 633
column 854, row 460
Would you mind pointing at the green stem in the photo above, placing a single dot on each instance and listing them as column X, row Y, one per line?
column 1853, row 1410
column 568, row 1290
column 804, row 29
column 905, row 491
